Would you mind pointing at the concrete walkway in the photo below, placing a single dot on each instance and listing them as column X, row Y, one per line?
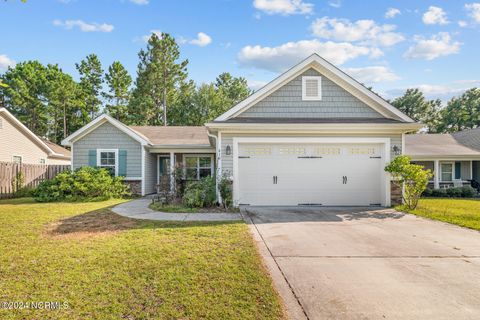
column 138, row 209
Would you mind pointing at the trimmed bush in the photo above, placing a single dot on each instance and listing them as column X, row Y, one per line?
column 468, row 192
column 200, row 194
column 427, row 192
column 456, row 192
column 439, row 193
column 86, row 183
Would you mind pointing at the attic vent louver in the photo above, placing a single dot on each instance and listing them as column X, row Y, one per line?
column 312, row 88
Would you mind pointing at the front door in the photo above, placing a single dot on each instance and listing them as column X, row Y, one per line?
column 164, row 172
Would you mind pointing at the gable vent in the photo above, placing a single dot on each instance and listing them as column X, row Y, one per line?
column 1, row 123
column 312, row 88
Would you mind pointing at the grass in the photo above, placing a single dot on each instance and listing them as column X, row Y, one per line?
column 109, row 267
column 462, row 212
column 179, row 208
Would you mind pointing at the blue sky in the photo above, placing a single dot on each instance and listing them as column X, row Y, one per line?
column 389, row 45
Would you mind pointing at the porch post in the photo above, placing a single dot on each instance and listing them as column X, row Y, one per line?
column 436, row 169
column 172, row 171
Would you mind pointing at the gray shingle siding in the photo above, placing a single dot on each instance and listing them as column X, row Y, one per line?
column 287, row 102
column 107, row 136
column 227, row 139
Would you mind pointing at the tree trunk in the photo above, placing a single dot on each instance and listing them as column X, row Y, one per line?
column 64, row 122
column 165, row 106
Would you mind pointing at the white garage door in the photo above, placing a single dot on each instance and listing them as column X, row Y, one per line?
column 310, row 174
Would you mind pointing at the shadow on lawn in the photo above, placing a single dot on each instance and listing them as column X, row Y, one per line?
column 105, row 222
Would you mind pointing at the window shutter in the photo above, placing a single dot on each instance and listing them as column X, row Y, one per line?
column 92, row 158
column 458, row 170
column 122, row 163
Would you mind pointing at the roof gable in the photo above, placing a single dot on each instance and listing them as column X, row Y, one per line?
column 94, row 124
column 50, row 148
column 329, row 71
column 287, row 102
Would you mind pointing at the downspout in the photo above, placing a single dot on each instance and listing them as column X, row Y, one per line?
column 217, row 174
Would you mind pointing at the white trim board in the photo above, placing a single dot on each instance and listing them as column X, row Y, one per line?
column 331, row 72
column 92, row 125
column 340, row 140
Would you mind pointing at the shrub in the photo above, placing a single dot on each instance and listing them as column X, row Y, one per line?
column 439, row 193
column 427, row 192
column 200, row 193
column 86, row 183
column 412, row 177
column 225, row 189
column 454, row 192
column 468, row 192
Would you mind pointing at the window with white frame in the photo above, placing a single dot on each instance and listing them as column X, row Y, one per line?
column 312, row 88
column 17, row 159
column 446, row 171
column 108, row 159
column 197, row 167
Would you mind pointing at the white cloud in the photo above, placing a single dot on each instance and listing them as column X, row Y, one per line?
column 5, row 62
column 435, row 15
column 283, row 7
column 140, row 2
column 372, row 74
column 83, row 26
column 367, row 32
column 462, row 23
column 280, row 58
column 256, row 84
column 443, row 92
column 335, row 3
column 202, row 40
column 474, row 11
column 438, row 45
column 392, row 13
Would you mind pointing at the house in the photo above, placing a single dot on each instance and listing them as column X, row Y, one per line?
column 20, row 145
column 454, row 158
column 312, row 136
column 142, row 154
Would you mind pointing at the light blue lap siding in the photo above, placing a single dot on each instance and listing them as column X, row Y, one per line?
column 107, row 136
column 287, row 102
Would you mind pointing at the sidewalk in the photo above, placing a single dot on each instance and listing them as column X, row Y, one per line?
column 138, row 209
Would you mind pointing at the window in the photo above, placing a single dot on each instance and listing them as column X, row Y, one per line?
column 42, row 161
column 17, row 159
column 312, row 88
column 197, row 167
column 446, row 171
column 108, row 159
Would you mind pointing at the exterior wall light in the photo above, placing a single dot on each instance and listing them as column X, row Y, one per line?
column 228, row 150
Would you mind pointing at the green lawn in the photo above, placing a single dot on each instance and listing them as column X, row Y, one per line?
column 462, row 212
column 110, row 267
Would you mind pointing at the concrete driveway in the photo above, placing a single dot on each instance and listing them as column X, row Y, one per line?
column 354, row 263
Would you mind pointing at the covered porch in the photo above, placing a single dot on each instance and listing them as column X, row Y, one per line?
column 175, row 167
column 449, row 173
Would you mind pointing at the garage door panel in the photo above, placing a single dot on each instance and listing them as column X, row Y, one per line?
column 310, row 174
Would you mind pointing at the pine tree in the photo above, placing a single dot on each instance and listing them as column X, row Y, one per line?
column 118, row 95
column 91, row 79
column 158, row 77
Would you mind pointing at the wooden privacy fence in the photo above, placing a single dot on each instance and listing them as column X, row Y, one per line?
column 14, row 176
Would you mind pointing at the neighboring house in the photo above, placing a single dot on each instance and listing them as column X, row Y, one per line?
column 453, row 158
column 312, row 136
column 20, row 145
